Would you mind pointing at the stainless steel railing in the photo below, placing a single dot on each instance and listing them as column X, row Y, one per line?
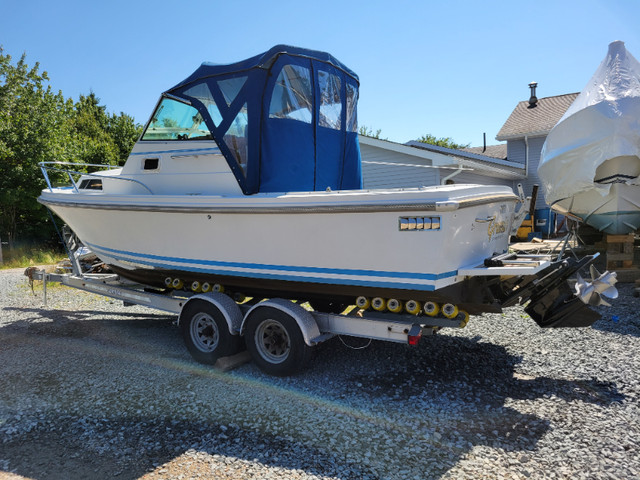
column 46, row 167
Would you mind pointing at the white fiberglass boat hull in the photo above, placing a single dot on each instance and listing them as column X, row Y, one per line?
column 342, row 239
column 617, row 212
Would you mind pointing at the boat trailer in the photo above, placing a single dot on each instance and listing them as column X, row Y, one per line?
column 280, row 334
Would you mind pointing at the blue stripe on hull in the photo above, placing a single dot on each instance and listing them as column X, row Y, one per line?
column 191, row 265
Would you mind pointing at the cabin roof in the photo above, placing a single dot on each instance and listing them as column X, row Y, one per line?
column 263, row 60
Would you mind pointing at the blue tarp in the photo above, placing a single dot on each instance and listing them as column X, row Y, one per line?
column 285, row 120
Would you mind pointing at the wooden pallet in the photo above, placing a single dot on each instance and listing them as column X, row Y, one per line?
column 619, row 253
column 620, row 257
column 537, row 245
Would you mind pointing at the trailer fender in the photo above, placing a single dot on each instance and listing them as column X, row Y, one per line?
column 225, row 304
column 303, row 318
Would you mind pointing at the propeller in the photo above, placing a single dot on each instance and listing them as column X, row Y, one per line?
column 601, row 285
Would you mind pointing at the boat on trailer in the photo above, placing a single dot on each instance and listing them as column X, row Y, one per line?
column 247, row 180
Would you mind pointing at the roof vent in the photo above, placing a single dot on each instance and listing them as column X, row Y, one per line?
column 533, row 100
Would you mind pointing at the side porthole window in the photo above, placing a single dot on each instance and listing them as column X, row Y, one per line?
column 150, row 164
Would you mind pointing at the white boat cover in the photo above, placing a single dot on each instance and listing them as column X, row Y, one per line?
column 602, row 123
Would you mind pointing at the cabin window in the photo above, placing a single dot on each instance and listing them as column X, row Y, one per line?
column 175, row 120
column 330, row 101
column 292, row 94
column 352, row 101
column 236, row 138
column 202, row 93
column 230, row 88
column 93, row 184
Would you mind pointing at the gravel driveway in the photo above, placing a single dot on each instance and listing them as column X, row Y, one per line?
column 92, row 389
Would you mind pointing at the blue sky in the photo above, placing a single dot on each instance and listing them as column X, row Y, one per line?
column 454, row 69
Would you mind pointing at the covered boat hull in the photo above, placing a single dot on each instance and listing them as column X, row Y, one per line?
column 400, row 242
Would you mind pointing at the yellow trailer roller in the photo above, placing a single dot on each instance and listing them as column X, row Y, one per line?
column 413, row 307
column 431, row 308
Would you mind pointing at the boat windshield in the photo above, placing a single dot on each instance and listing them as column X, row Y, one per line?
column 175, row 120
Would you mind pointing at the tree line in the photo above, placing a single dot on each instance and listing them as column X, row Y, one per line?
column 40, row 125
column 447, row 142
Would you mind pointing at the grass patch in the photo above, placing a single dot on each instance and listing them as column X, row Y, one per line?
column 22, row 257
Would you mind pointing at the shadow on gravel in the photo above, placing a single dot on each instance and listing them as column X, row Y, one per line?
column 128, row 449
column 464, row 384
column 80, row 323
column 434, row 403
column 475, row 373
column 76, row 315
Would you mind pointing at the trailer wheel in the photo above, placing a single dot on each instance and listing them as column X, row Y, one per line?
column 275, row 342
column 206, row 332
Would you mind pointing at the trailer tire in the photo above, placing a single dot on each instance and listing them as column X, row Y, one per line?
column 206, row 332
column 275, row 342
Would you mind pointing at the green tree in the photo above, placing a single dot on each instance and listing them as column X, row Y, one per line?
column 368, row 132
column 125, row 132
column 38, row 125
column 102, row 138
column 32, row 129
column 447, row 142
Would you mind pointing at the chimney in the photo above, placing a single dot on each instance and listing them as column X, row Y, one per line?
column 533, row 100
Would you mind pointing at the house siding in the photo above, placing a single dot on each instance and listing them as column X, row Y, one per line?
column 535, row 149
column 516, row 151
column 394, row 176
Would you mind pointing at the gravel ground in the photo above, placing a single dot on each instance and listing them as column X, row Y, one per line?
column 92, row 389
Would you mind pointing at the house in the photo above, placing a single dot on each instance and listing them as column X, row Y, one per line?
column 527, row 128
column 388, row 164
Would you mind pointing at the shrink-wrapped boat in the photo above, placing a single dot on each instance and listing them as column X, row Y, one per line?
column 590, row 162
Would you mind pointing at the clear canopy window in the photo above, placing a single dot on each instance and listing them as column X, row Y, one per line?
column 352, row 112
column 202, row 93
column 292, row 95
column 236, row 138
column 330, row 101
column 175, row 120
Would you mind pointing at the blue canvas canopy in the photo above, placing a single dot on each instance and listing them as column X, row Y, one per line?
column 285, row 120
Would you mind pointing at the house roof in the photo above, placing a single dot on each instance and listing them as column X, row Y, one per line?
column 499, row 167
column 536, row 121
column 494, row 151
column 468, row 153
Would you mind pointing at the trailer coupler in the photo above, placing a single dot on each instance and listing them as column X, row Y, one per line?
column 552, row 302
